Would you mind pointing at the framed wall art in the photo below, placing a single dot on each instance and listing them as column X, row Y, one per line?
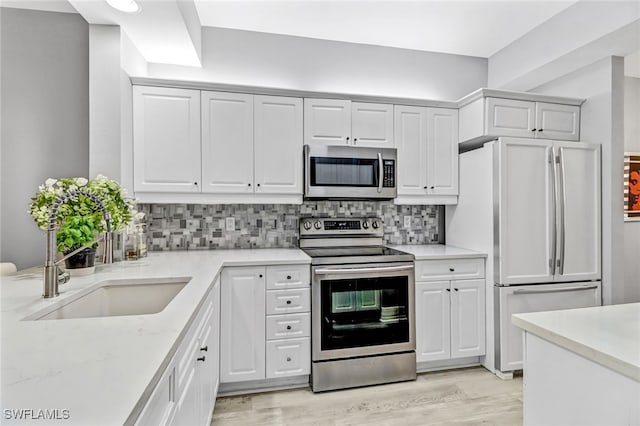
column 632, row 186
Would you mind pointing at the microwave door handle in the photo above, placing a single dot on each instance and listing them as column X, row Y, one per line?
column 380, row 172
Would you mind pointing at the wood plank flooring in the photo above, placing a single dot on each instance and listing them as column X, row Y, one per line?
column 466, row 396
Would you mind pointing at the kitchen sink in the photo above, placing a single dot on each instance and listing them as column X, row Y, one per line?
column 117, row 298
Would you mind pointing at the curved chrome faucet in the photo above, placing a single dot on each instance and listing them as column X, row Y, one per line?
column 52, row 274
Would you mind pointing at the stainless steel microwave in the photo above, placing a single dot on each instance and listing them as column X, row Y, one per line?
column 347, row 172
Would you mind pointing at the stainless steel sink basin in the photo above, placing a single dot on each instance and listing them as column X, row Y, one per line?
column 117, row 298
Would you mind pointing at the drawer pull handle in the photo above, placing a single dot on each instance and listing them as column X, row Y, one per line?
column 288, row 302
column 451, row 270
column 288, row 277
column 205, row 349
column 288, row 359
column 200, row 359
column 288, row 327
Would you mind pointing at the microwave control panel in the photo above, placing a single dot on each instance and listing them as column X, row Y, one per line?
column 389, row 178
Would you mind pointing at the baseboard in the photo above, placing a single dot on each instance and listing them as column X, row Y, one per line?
column 268, row 385
column 447, row 364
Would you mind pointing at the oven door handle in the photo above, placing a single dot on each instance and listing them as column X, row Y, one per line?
column 363, row 270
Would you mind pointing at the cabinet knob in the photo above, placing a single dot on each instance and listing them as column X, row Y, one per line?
column 540, row 130
column 288, row 277
column 451, row 270
column 534, row 130
column 355, row 140
column 248, row 184
column 455, row 289
column 347, row 139
column 288, row 359
column 205, row 349
column 260, row 276
column 425, row 187
column 195, row 183
column 200, row 359
column 432, row 187
column 258, row 185
column 288, row 327
column 448, row 289
column 288, row 302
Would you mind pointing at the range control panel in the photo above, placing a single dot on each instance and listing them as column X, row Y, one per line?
column 389, row 176
column 366, row 226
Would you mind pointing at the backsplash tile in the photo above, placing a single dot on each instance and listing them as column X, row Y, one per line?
column 202, row 227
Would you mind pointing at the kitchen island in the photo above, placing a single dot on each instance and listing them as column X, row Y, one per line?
column 582, row 366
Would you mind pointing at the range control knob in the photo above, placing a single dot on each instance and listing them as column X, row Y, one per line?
column 306, row 225
column 317, row 225
column 375, row 224
column 365, row 224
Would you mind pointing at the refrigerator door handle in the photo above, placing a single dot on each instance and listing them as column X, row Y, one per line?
column 557, row 290
column 554, row 238
column 562, row 188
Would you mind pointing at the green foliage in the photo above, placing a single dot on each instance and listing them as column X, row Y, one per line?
column 80, row 219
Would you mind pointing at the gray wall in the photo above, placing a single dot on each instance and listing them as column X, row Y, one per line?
column 45, row 118
column 632, row 229
column 269, row 60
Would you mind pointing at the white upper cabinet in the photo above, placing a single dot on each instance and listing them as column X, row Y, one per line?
column 342, row 122
column 166, row 133
column 278, row 144
column 227, row 142
column 426, row 140
column 372, row 125
column 327, row 121
column 488, row 114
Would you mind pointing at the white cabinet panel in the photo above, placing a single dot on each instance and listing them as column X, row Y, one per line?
column 556, row 121
column 432, row 321
column 290, row 357
column 278, row 144
column 227, row 142
column 327, row 121
column 160, row 407
column 242, row 334
column 166, row 139
column 372, row 124
column 411, row 142
column 579, row 212
column 288, row 301
column 525, row 211
column 288, row 326
column 467, row 318
column 288, row 276
column 448, row 269
column 442, row 151
column 509, row 117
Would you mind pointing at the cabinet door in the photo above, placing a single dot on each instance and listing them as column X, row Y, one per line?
column 278, row 144
column 579, row 235
column 208, row 362
column 227, row 142
column 432, row 321
column 327, row 121
column 525, row 212
column 411, row 141
column 442, row 151
column 242, row 334
column 166, row 139
column 188, row 406
column 467, row 318
column 555, row 121
column 289, row 357
column 509, row 117
column 372, row 125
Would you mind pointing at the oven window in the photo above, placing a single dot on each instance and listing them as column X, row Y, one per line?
column 329, row 171
column 364, row 312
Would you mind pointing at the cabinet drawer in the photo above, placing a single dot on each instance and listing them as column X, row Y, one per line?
column 287, row 326
column 288, row 301
column 447, row 269
column 288, row 276
column 289, row 357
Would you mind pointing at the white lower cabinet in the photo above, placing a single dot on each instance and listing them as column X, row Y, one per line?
column 265, row 333
column 186, row 392
column 450, row 313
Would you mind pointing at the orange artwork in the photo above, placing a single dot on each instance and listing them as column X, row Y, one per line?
column 632, row 185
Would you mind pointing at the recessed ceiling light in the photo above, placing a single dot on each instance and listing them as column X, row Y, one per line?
column 127, row 6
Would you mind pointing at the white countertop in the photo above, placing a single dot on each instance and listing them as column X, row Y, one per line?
column 438, row 251
column 102, row 369
column 608, row 335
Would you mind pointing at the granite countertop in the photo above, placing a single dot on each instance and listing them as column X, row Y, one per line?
column 438, row 251
column 102, row 369
column 608, row 335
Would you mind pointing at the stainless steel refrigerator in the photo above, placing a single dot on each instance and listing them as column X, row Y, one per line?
column 534, row 206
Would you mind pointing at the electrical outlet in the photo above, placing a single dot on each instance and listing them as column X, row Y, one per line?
column 407, row 221
column 231, row 223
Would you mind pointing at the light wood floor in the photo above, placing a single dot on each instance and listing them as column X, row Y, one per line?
column 466, row 396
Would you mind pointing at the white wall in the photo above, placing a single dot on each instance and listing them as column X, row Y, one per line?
column 601, row 122
column 45, row 118
column 632, row 229
column 269, row 60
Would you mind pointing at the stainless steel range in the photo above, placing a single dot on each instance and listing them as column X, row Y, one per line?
column 362, row 305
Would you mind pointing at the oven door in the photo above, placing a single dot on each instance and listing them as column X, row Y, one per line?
column 360, row 310
column 349, row 172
